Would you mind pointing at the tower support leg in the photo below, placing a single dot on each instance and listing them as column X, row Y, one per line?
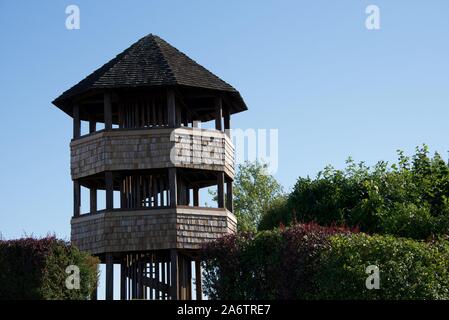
column 123, row 279
column 109, row 277
column 199, row 290
column 174, row 275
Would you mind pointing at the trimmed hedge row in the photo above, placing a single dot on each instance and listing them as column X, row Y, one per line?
column 307, row 261
column 408, row 269
column 36, row 269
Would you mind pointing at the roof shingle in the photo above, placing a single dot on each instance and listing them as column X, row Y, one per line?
column 151, row 61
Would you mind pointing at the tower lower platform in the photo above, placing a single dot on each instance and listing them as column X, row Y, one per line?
column 154, row 247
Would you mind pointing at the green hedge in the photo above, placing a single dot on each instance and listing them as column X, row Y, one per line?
column 307, row 261
column 36, row 269
column 408, row 269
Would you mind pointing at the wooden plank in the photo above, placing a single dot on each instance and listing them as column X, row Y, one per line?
column 93, row 200
column 128, row 275
column 182, row 277
column 140, row 285
column 178, row 116
column 171, row 108
column 199, row 290
column 109, row 277
column 158, row 285
column 218, row 113
column 92, row 126
column 107, row 111
column 134, row 277
column 189, row 279
column 138, row 192
column 174, row 272
column 168, row 280
column 76, row 199
column 229, row 199
column 156, row 271
column 172, row 186
column 227, row 122
column 109, row 190
column 149, row 284
column 196, row 197
column 220, row 190
column 76, row 121
column 123, row 280
column 187, row 191
column 156, row 190
column 164, row 280
column 161, row 190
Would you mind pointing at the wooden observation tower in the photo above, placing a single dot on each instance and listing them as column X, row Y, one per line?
column 144, row 159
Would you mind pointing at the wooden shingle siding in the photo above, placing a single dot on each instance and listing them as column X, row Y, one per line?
column 182, row 228
column 150, row 149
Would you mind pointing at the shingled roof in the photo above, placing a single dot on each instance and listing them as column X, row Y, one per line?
column 150, row 62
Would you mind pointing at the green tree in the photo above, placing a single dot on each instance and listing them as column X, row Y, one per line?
column 255, row 190
column 409, row 198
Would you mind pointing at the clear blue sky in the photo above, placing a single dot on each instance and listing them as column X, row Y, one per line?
column 309, row 68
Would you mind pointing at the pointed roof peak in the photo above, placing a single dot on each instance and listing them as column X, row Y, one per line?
column 149, row 62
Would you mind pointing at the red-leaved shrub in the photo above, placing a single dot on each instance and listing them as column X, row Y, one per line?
column 276, row 264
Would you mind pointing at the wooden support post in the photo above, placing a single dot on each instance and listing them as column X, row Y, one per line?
column 174, row 275
column 157, row 273
column 76, row 199
column 185, row 278
column 151, row 275
column 134, row 277
column 187, row 195
column 218, row 113
column 229, row 200
column 168, row 277
column 178, row 116
column 122, row 196
column 128, row 276
column 164, row 297
column 189, row 118
column 171, row 108
column 227, row 122
column 182, row 192
column 146, row 273
column 76, row 122
column 93, row 200
column 199, row 290
column 92, row 126
column 109, row 277
column 188, row 279
column 140, row 279
column 109, row 190
column 196, row 197
column 181, row 277
column 123, row 279
column 107, row 111
column 220, row 190
column 172, row 183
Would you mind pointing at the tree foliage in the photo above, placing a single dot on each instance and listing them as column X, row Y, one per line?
column 255, row 190
column 408, row 199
